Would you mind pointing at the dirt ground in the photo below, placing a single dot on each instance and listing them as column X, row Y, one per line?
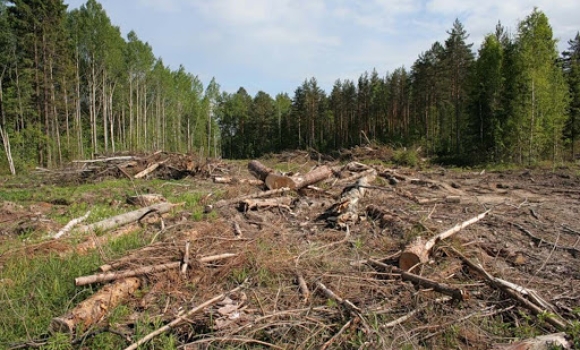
column 289, row 256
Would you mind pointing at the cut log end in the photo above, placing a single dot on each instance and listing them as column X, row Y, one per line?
column 414, row 254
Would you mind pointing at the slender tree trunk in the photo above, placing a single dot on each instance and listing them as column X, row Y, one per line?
column 66, row 111
column 78, row 121
column 105, row 111
column 3, row 133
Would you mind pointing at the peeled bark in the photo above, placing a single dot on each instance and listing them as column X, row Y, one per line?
column 92, row 310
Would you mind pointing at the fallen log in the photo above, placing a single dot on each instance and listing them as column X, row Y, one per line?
column 126, row 218
column 418, row 251
column 92, row 310
column 259, row 170
column 313, row 176
column 151, row 168
column 111, row 276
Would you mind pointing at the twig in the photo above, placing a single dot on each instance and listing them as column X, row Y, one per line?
column 180, row 319
column 334, row 337
column 574, row 251
column 70, row 225
column 344, row 302
column 185, row 259
column 456, row 294
column 233, row 339
column 404, row 318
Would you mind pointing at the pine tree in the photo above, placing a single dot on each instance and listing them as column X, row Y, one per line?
column 571, row 59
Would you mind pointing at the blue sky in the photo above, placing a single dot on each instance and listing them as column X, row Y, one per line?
column 273, row 45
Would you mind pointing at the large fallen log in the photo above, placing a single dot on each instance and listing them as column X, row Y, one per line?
column 92, row 310
column 418, row 251
column 126, row 218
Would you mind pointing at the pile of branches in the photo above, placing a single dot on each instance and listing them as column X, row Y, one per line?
column 159, row 165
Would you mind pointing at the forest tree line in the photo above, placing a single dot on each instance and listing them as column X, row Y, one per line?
column 71, row 86
column 516, row 100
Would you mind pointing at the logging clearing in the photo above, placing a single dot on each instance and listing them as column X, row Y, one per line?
column 290, row 253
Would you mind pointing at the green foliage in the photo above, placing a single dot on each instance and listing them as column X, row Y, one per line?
column 406, row 157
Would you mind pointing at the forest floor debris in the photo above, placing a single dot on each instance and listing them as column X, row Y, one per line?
column 318, row 266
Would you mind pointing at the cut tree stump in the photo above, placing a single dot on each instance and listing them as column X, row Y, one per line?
column 418, row 251
column 92, row 310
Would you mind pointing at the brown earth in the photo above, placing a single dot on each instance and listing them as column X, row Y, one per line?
column 530, row 238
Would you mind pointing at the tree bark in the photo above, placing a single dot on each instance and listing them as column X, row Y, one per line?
column 126, row 218
column 92, row 310
column 259, row 170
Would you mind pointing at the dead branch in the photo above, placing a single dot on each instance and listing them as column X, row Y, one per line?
column 111, row 276
column 574, row 251
column 185, row 258
column 180, row 319
column 334, row 337
column 303, row 287
column 412, row 313
column 455, row 293
column 548, row 341
column 255, row 204
column 344, row 302
column 515, row 292
column 418, row 251
column 70, row 225
column 105, row 160
column 94, row 309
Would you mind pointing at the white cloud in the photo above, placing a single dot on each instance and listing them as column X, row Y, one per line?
column 279, row 43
